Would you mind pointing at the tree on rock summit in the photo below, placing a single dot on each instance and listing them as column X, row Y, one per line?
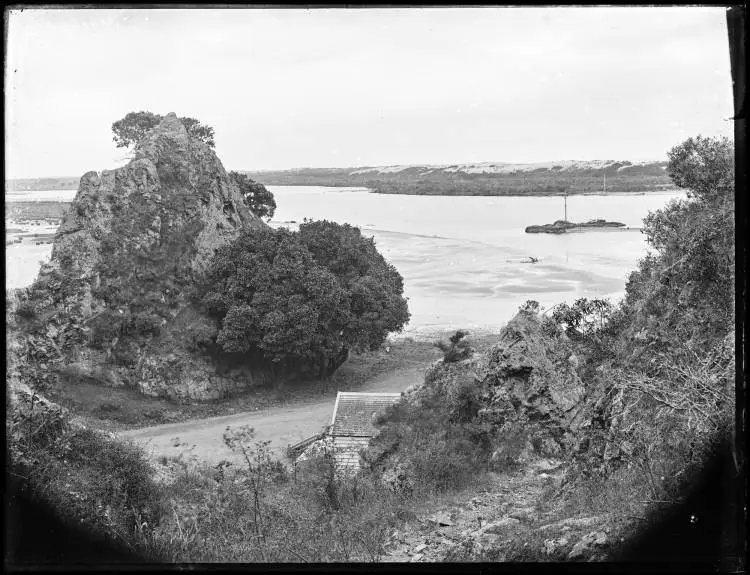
column 134, row 126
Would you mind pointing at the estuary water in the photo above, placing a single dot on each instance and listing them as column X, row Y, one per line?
column 465, row 260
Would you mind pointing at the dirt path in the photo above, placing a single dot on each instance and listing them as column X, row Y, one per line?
column 281, row 425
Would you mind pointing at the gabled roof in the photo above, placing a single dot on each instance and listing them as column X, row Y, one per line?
column 352, row 414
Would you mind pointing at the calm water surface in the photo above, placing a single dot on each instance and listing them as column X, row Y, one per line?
column 463, row 258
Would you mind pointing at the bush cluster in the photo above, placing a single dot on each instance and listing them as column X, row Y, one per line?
column 304, row 297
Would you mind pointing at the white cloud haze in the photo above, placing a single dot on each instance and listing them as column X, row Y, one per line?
column 337, row 87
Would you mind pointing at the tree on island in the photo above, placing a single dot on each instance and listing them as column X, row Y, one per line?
column 256, row 196
column 131, row 129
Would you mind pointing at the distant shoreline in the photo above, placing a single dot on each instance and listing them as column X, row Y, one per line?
column 22, row 203
column 533, row 194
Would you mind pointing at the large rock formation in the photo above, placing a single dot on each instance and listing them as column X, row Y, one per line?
column 175, row 193
column 532, row 377
column 528, row 382
column 115, row 297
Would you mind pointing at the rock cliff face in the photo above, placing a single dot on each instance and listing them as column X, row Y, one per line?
column 116, row 293
column 530, row 380
column 532, row 377
column 174, row 191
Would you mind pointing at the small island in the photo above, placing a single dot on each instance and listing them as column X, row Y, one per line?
column 562, row 226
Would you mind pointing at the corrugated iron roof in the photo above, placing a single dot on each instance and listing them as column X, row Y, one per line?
column 353, row 412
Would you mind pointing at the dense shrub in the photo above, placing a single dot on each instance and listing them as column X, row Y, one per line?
column 304, row 297
column 669, row 345
column 269, row 294
column 26, row 310
column 464, row 399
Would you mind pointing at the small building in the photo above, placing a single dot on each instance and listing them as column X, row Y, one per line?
column 352, row 425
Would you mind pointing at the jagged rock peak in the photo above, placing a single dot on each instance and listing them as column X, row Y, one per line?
column 174, row 194
column 169, row 136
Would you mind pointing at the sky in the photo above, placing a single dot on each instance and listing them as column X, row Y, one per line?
column 290, row 88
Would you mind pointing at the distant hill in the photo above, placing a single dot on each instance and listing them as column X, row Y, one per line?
column 485, row 178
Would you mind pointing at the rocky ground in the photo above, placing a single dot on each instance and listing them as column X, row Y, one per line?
column 492, row 523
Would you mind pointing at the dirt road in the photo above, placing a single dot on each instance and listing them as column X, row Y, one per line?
column 281, row 425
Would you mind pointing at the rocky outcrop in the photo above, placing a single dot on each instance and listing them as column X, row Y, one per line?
column 127, row 253
column 174, row 187
column 532, row 378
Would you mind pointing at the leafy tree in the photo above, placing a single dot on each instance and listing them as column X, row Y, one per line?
column 256, row 196
column 131, row 129
column 272, row 293
column 373, row 287
column 704, row 167
column 199, row 131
